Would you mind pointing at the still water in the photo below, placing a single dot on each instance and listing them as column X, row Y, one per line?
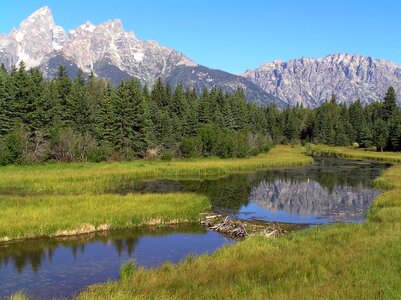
column 59, row 268
column 331, row 190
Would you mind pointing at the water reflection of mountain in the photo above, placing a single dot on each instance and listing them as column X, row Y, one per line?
column 309, row 197
column 233, row 191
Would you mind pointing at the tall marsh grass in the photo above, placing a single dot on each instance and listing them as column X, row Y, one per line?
column 50, row 215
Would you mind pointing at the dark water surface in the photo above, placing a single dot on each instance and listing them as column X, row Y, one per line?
column 331, row 190
column 59, row 268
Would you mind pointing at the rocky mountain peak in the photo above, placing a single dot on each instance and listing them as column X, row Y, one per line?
column 106, row 49
column 311, row 81
column 33, row 40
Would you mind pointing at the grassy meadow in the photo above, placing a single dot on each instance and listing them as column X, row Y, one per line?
column 76, row 178
column 339, row 261
column 67, row 199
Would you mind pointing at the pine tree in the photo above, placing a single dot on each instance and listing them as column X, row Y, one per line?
column 390, row 104
column 6, row 103
column 105, row 119
column 63, row 85
column 23, row 86
column 380, row 134
column 394, row 142
column 204, row 110
column 78, row 113
column 357, row 119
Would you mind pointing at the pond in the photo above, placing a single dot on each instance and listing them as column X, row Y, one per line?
column 330, row 190
column 59, row 268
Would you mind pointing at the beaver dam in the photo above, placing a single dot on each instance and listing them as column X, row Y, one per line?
column 240, row 229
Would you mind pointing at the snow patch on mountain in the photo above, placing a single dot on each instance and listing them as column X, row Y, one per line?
column 92, row 48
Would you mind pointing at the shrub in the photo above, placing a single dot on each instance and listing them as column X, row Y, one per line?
column 12, row 147
column 209, row 136
column 167, row 156
column 191, row 147
column 127, row 269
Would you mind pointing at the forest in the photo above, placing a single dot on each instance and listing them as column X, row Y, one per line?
column 91, row 119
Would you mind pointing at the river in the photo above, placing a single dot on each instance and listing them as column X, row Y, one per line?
column 330, row 190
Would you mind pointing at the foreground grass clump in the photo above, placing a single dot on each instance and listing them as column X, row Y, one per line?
column 49, row 215
column 18, row 296
column 342, row 261
column 100, row 177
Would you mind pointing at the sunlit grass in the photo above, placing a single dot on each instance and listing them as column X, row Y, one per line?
column 342, row 261
column 49, row 215
column 356, row 153
column 18, row 296
column 99, row 177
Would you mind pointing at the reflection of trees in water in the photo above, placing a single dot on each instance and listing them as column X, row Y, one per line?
column 32, row 253
column 227, row 192
column 311, row 197
column 233, row 191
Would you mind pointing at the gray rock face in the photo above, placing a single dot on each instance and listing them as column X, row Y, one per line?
column 36, row 37
column 39, row 42
column 311, row 81
column 310, row 197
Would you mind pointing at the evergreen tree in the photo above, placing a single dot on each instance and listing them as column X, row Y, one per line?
column 357, row 119
column 380, row 134
column 78, row 113
column 6, row 103
column 106, row 119
column 390, row 104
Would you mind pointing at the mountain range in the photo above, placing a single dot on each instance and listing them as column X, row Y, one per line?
column 110, row 52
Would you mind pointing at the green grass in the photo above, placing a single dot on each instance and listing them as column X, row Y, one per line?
column 99, row 177
column 18, row 296
column 356, row 153
column 49, row 215
column 66, row 199
column 341, row 261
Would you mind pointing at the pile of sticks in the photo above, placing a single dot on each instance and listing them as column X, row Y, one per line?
column 236, row 228
column 228, row 227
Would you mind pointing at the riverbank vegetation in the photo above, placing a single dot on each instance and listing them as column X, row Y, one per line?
column 354, row 153
column 351, row 261
column 48, row 216
column 64, row 199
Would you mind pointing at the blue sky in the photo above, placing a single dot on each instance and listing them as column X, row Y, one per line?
column 235, row 35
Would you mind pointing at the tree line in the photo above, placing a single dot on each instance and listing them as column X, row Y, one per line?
column 90, row 119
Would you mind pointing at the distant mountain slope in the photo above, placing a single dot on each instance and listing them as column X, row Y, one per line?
column 201, row 77
column 311, row 81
